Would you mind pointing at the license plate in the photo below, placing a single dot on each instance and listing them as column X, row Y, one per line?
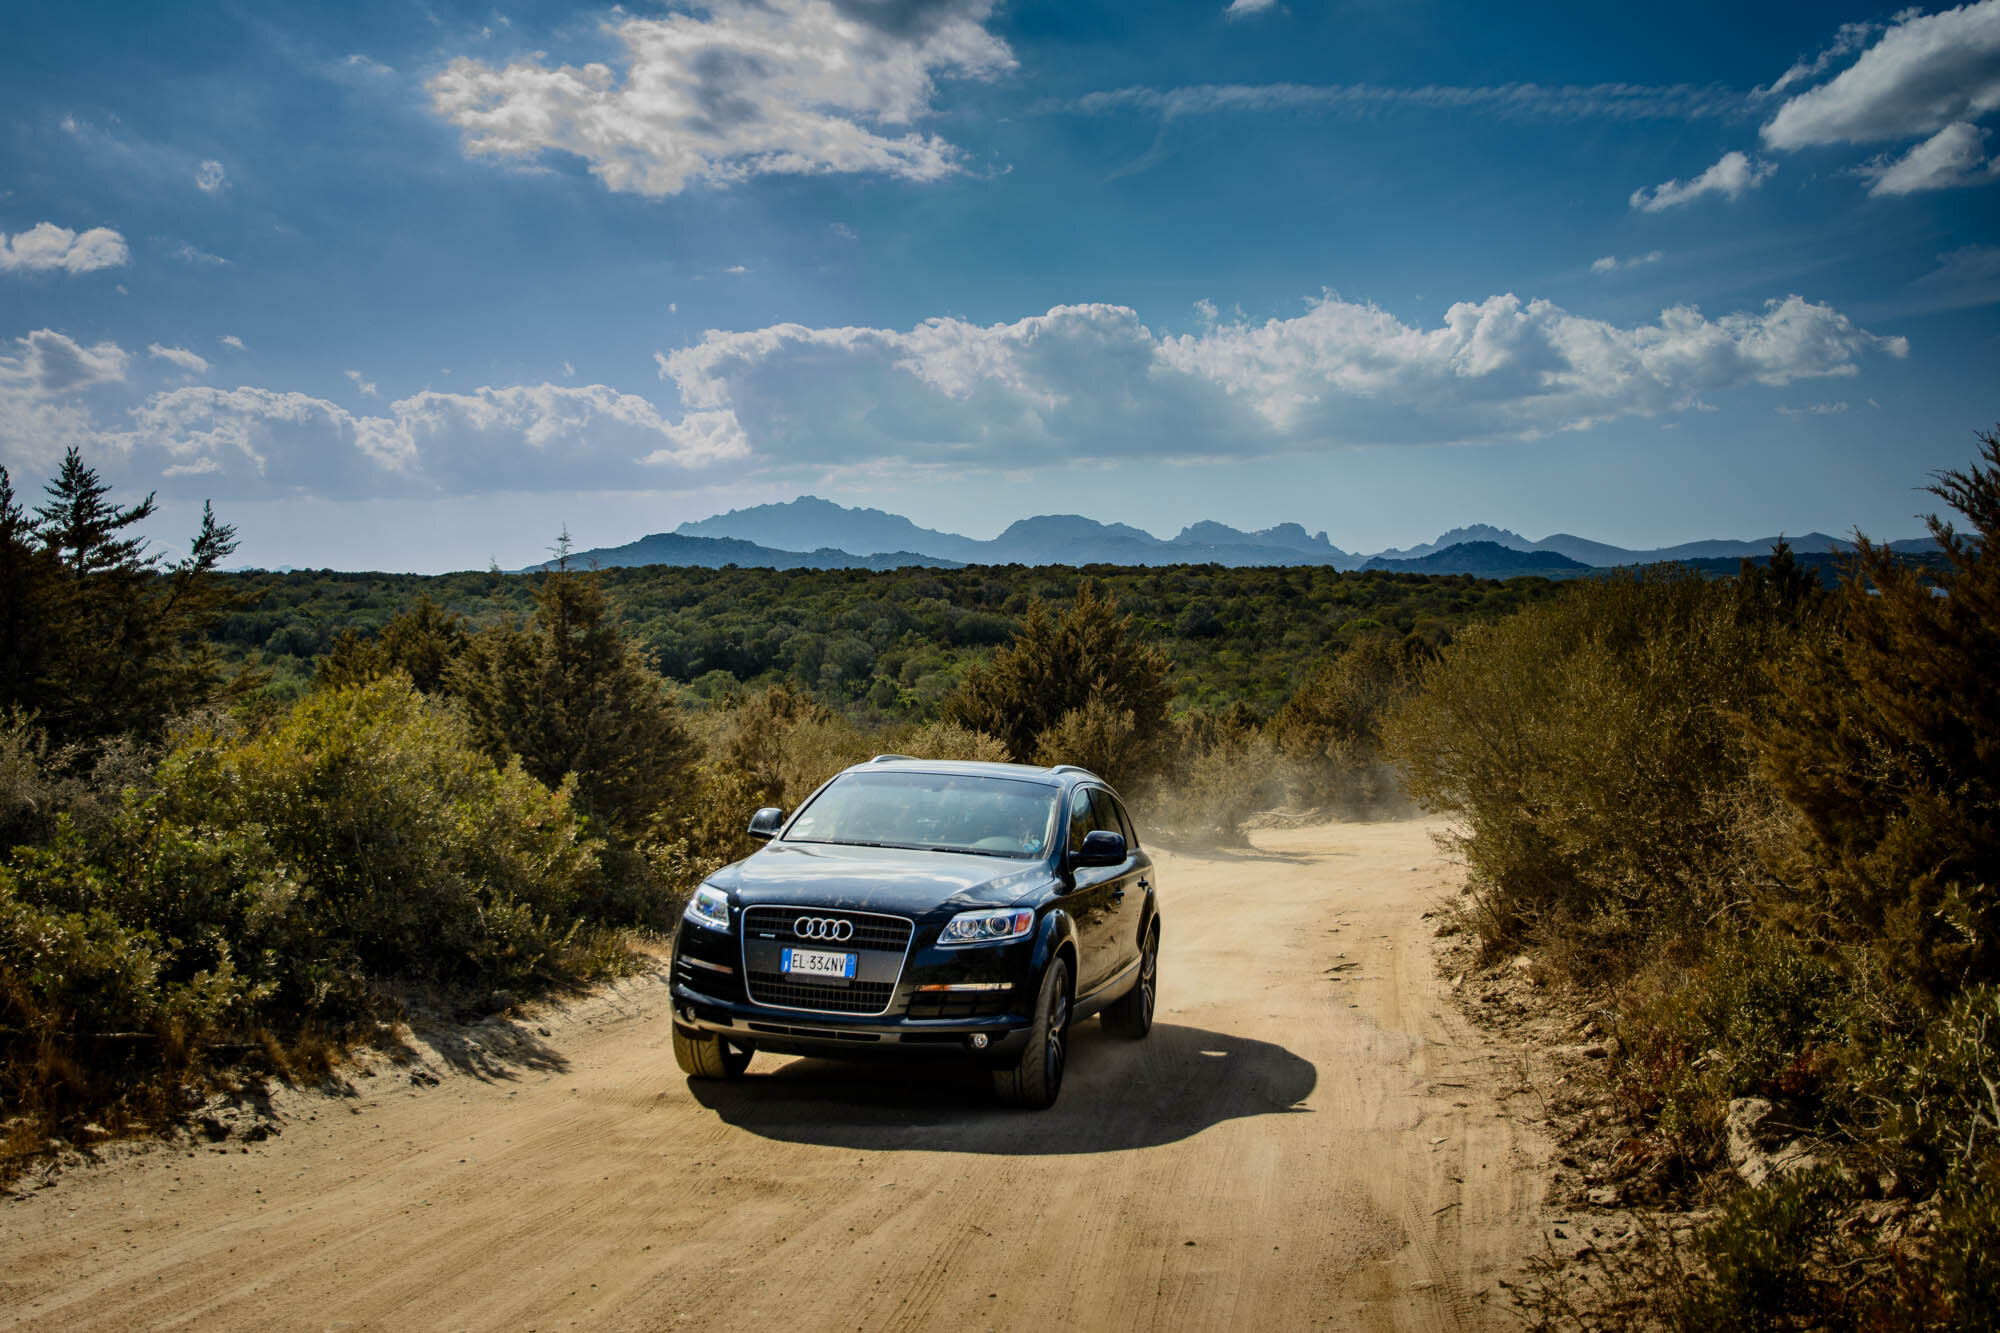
column 817, row 963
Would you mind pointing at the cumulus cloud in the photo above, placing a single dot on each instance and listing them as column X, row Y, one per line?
column 1612, row 263
column 188, row 253
column 366, row 386
column 750, row 87
column 1927, row 72
column 210, row 178
column 251, row 441
column 50, row 363
column 1093, row 381
column 1240, row 9
column 1730, row 177
column 1954, row 156
column 231, row 340
column 180, row 356
column 45, row 247
column 39, row 385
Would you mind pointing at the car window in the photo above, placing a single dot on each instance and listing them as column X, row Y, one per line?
column 937, row 811
column 1082, row 819
column 1124, row 824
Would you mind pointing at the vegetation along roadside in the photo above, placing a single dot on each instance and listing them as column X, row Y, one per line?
column 1751, row 821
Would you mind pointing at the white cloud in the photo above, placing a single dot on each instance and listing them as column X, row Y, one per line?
column 367, row 387
column 1954, row 156
column 1927, row 72
column 231, row 340
column 754, row 87
column 1730, row 176
column 39, row 417
column 251, row 441
column 46, row 247
column 210, row 178
column 569, row 371
column 180, row 356
column 189, row 254
column 1612, row 263
column 1240, row 9
column 51, row 363
column 1093, row 381
column 1814, row 410
column 1850, row 37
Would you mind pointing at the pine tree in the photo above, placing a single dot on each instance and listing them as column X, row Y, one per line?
column 569, row 694
column 1057, row 665
column 28, row 575
column 117, row 645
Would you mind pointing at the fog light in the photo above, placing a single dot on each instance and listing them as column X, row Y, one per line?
column 978, row 1040
column 687, row 1012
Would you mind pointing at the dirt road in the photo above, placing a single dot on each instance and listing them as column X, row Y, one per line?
column 1310, row 1136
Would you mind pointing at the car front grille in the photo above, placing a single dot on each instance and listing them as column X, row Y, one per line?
column 882, row 943
column 856, row 997
column 890, row 933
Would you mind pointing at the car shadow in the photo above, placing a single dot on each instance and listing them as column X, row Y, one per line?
column 1118, row 1094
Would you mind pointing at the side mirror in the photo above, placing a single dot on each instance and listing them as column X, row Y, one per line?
column 765, row 823
column 1101, row 847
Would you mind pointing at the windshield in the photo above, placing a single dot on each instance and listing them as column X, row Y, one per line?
column 941, row 812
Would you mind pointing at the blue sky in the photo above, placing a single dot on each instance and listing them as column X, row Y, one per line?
column 413, row 288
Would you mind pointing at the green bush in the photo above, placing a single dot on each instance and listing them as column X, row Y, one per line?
column 1885, row 745
column 408, row 845
column 1590, row 749
column 1770, row 1258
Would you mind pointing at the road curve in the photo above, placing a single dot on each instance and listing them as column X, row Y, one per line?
column 1311, row 1136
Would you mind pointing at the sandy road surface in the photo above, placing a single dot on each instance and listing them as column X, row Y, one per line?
column 1309, row 1137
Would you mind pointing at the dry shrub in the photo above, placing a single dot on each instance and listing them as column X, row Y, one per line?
column 947, row 740
column 1591, row 749
column 1220, row 769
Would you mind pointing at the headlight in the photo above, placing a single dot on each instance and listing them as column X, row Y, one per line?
column 994, row 927
column 709, row 907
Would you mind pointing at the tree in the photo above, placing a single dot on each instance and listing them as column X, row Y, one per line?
column 97, row 639
column 569, row 694
column 1885, row 743
column 1060, row 663
column 422, row 642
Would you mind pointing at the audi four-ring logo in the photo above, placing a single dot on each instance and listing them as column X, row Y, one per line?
column 823, row 928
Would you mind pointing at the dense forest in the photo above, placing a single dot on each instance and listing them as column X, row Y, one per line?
column 894, row 644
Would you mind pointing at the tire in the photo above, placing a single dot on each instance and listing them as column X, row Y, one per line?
column 1131, row 1014
column 1035, row 1081
column 702, row 1055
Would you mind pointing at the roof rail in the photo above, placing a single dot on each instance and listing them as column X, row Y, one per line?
column 889, row 758
column 1072, row 768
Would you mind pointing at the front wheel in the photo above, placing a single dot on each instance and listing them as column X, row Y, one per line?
column 1035, row 1080
column 704, row 1055
column 1131, row 1014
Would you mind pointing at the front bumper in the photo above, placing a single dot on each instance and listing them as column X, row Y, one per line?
column 928, row 1013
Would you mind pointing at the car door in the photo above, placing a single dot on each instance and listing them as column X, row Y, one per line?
column 1128, row 881
column 1090, row 901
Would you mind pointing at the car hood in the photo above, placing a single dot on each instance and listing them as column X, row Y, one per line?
column 878, row 879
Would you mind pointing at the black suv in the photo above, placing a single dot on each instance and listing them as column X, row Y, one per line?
column 913, row 907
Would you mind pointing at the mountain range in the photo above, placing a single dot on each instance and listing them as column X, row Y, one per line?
column 811, row 533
